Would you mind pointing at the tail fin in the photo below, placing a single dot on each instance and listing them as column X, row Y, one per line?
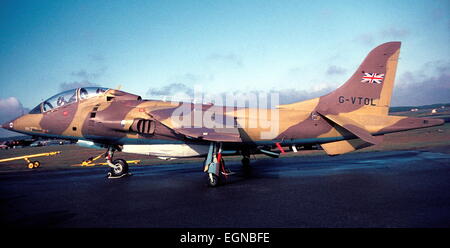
column 369, row 89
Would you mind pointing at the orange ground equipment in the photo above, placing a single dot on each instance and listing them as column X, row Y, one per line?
column 31, row 164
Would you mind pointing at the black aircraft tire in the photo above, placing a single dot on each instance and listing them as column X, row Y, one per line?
column 122, row 168
column 213, row 180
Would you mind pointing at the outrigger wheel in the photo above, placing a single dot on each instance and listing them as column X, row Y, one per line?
column 120, row 169
column 213, row 179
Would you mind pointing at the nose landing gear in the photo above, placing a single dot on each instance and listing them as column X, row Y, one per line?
column 119, row 167
column 119, row 170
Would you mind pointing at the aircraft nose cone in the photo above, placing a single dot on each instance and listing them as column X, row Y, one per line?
column 7, row 125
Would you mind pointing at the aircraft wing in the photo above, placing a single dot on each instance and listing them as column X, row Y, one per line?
column 217, row 132
column 212, row 134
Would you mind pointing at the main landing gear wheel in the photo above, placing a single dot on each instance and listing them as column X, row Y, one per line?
column 120, row 169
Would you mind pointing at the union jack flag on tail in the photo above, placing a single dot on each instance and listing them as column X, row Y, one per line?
column 372, row 78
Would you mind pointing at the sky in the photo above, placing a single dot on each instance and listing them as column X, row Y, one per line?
column 301, row 49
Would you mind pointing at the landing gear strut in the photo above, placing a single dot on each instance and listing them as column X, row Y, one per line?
column 119, row 167
column 246, row 168
column 213, row 179
column 246, row 159
column 214, row 165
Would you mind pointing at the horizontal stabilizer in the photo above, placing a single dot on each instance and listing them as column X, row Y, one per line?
column 344, row 146
column 354, row 128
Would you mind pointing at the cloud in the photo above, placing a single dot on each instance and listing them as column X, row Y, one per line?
column 179, row 87
column 229, row 58
column 83, row 74
column 10, row 108
column 439, row 14
column 84, row 79
column 327, row 13
column 418, row 88
column 76, row 84
column 86, row 75
column 426, row 86
column 429, row 85
column 170, row 90
column 386, row 33
column 366, row 39
column 183, row 92
column 295, row 70
column 395, row 33
column 335, row 70
column 97, row 57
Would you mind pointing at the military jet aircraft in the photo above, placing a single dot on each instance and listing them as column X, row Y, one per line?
column 352, row 117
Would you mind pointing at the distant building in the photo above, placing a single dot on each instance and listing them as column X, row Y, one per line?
column 434, row 111
column 414, row 110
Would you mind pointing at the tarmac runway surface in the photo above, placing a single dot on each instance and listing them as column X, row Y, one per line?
column 368, row 189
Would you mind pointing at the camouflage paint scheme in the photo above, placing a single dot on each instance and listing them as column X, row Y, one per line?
column 352, row 117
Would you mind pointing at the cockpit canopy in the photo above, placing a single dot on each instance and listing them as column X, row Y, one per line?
column 67, row 97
